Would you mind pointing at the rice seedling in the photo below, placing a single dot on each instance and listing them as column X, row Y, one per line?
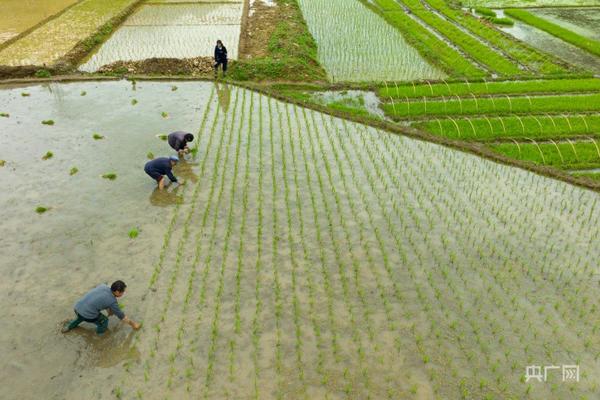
column 48, row 122
column 97, row 136
column 41, row 209
column 150, row 155
column 162, row 136
column 73, row 171
column 2, row 163
column 173, row 88
column 134, row 102
column 461, row 88
column 347, row 54
column 133, row 233
column 25, row 94
column 500, row 106
column 4, row 115
column 83, row 93
column 48, row 155
column 111, row 176
column 164, row 114
column 427, row 43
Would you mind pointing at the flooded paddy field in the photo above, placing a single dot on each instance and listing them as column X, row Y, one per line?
column 363, row 47
column 185, row 30
column 53, row 40
column 306, row 257
column 530, row 3
column 552, row 45
column 18, row 15
column 584, row 21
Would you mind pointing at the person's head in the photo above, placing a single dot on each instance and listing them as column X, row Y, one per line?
column 189, row 137
column 174, row 160
column 219, row 43
column 118, row 288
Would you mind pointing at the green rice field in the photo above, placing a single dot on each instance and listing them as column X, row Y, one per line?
column 383, row 199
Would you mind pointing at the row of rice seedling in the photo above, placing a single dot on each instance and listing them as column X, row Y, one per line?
column 466, row 88
column 502, row 105
column 50, row 42
column 587, row 44
column 515, row 127
column 421, row 38
column 349, row 54
column 328, row 259
column 564, row 154
column 480, row 52
column 532, row 59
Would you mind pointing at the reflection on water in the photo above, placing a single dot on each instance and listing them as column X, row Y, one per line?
column 224, row 95
column 184, row 169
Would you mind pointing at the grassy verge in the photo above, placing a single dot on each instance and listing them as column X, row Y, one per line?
column 474, row 48
column 589, row 45
column 291, row 52
column 495, row 106
column 531, row 58
column 569, row 155
column 590, row 175
column 482, row 88
column 427, row 44
column 510, row 128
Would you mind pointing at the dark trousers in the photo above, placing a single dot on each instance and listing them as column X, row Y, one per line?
column 223, row 63
column 101, row 322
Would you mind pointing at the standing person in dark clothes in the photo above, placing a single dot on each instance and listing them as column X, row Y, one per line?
column 102, row 297
column 159, row 167
column 220, row 57
column 179, row 140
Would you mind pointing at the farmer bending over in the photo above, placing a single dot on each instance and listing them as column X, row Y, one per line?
column 179, row 140
column 159, row 167
column 102, row 297
column 220, row 58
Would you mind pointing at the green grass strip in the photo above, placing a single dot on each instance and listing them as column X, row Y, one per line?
column 564, row 155
column 532, row 58
column 473, row 47
column 495, row 106
column 591, row 175
column 427, row 44
column 507, row 128
column 589, row 45
column 481, row 88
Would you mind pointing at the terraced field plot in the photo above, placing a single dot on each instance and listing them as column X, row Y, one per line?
column 18, row 15
column 52, row 41
column 307, row 256
column 363, row 47
column 171, row 31
column 584, row 21
column 520, row 119
column 529, row 3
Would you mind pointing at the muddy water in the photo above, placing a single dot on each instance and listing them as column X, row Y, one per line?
column 363, row 47
column 584, row 21
column 83, row 239
column 20, row 15
column 307, row 257
column 552, row 45
column 171, row 31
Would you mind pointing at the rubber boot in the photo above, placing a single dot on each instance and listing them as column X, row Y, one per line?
column 73, row 324
column 101, row 324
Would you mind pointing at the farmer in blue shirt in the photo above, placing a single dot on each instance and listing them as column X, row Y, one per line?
column 159, row 167
column 102, row 297
column 220, row 58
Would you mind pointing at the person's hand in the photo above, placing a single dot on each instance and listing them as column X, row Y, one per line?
column 135, row 325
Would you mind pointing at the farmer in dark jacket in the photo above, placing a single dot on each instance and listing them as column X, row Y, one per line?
column 179, row 140
column 159, row 167
column 102, row 297
column 220, row 57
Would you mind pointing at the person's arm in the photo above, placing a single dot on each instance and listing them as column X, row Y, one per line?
column 116, row 310
column 225, row 52
column 171, row 176
column 215, row 53
column 131, row 323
